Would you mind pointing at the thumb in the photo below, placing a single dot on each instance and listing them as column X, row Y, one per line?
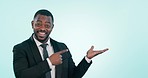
column 92, row 47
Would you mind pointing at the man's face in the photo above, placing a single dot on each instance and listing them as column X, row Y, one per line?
column 42, row 26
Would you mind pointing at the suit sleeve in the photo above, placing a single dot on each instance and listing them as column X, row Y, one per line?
column 77, row 71
column 22, row 68
column 80, row 70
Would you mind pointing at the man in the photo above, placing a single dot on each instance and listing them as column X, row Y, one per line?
column 29, row 59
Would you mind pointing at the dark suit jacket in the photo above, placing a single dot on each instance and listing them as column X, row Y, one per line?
column 27, row 62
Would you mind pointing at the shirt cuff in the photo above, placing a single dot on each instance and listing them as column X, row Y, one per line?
column 49, row 63
column 87, row 59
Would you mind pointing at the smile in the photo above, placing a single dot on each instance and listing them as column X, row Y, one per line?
column 42, row 34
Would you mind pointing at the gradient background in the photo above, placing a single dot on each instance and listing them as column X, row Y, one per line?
column 120, row 25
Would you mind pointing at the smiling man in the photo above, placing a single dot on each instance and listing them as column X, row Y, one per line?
column 42, row 57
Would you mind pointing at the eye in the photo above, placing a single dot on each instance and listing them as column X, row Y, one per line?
column 47, row 26
column 38, row 24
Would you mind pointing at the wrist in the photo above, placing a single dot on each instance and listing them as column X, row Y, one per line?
column 88, row 57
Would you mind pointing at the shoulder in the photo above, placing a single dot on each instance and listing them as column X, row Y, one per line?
column 22, row 45
column 54, row 42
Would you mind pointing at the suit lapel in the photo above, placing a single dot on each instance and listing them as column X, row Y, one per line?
column 54, row 45
column 35, row 50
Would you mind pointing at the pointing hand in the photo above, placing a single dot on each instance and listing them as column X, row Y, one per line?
column 56, row 58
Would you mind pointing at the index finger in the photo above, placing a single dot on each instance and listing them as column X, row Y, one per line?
column 63, row 51
column 106, row 49
column 101, row 51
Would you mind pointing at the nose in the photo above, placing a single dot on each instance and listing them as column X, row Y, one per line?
column 42, row 27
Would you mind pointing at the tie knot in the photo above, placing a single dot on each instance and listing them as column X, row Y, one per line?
column 43, row 45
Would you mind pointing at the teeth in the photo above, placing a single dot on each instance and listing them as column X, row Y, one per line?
column 42, row 33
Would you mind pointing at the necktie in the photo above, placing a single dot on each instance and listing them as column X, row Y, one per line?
column 45, row 55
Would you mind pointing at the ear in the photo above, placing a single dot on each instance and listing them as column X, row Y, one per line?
column 52, row 26
column 32, row 22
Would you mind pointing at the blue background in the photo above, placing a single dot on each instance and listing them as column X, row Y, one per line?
column 120, row 25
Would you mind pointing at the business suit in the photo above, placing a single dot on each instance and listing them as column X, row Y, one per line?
column 27, row 62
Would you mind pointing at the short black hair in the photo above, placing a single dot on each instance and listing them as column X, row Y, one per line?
column 44, row 12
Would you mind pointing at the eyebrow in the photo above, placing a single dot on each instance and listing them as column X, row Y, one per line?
column 45, row 22
column 48, row 22
column 39, row 21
